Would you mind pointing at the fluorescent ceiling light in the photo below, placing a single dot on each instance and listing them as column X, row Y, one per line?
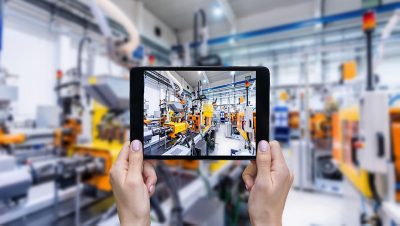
column 218, row 11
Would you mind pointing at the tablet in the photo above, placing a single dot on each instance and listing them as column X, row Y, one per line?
column 199, row 112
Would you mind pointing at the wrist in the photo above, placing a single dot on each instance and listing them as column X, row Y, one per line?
column 130, row 221
column 266, row 220
column 266, row 223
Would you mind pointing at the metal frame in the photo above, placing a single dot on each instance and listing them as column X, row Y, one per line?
column 296, row 25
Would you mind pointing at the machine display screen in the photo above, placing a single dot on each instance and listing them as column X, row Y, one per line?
column 199, row 113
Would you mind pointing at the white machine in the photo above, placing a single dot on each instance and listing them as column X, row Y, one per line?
column 375, row 132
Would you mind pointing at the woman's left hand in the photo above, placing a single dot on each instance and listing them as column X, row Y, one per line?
column 133, row 181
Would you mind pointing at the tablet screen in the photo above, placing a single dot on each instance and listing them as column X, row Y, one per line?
column 199, row 113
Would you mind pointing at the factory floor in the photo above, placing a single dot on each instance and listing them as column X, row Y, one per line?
column 305, row 208
column 223, row 145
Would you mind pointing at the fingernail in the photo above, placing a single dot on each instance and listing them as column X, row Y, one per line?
column 135, row 146
column 247, row 188
column 151, row 189
column 263, row 145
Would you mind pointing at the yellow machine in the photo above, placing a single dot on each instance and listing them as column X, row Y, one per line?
column 177, row 127
column 345, row 125
column 208, row 111
column 108, row 133
column 108, row 150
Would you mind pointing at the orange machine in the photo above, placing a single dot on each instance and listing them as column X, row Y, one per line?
column 321, row 130
column 255, row 123
column 395, row 127
column 63, row 137
column 320, row 126
column 7, row 139
column 294, row 119
column 195, row 119
column 345, row 126
column 75, row 128
column 233, row 118
column 186, row 164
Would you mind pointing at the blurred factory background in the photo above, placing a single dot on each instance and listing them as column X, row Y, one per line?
column 64, row 101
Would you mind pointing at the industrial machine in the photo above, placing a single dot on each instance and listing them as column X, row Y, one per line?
column 365, row 144
column 184, row 128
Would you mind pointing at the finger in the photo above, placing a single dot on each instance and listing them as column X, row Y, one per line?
column 263, row 160
column 152, row 162
column 135, row 168
column 123, row 154
column 291, row 179
column 150, row 177
column 249, row 174
column 278, row 161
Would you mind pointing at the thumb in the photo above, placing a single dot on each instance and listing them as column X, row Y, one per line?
column 263, row 159
column 135, row 168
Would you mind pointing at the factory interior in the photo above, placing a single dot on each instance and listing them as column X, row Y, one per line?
column 200, row 118
column 334, row 107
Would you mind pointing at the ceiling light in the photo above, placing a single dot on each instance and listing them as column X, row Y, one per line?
column 218, row 11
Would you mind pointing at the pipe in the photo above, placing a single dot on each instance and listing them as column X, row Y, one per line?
column 196, row 41
column 173, row 80
column 114, row 12
column 80, row 50
column 370, row 75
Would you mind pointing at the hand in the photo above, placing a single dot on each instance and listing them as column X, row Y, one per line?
column 268, row 179
column 133, row 182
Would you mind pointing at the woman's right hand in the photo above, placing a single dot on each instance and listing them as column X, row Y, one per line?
column 268, row 180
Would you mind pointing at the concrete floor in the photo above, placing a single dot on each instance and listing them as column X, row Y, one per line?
column 319, row 209
column 223, row 145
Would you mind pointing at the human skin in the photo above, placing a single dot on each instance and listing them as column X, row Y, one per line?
column 268, row 180
column 133, row 181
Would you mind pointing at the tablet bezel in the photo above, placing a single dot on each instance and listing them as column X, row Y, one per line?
column 262, row 105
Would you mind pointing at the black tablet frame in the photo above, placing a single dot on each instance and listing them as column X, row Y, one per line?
column 262, row 105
